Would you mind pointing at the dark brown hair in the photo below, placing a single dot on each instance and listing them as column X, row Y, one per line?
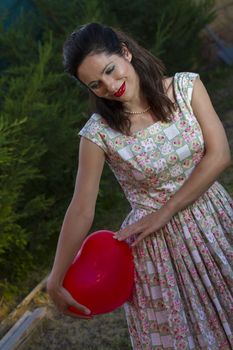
column 97, row 38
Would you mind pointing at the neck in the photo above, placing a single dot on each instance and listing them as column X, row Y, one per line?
column 138, row 104
column 137, row 101
column 138, row 112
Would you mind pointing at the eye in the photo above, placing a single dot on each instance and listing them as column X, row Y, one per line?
column 110, row 70
column 94, row 86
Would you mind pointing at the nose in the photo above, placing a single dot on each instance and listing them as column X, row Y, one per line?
column 110, row 85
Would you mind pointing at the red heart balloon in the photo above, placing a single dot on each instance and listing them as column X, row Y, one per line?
column 101, row 276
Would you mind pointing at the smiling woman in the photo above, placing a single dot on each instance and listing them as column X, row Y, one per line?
column 166, row 146
column 116, row 70
column 110, row 73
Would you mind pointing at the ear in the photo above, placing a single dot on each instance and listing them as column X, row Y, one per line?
column 126, row 53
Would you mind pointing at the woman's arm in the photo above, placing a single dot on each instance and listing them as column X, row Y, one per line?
column 215, row 160
column 79, row 216
column 217, row 153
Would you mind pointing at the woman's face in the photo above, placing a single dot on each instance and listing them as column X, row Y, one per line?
column 110, row 76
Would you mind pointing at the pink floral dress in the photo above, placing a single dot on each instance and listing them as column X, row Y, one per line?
column 183, row 297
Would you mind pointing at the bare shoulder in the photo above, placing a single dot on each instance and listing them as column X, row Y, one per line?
column 90, row 151
column 200, row 96
column 212, row 128
column 167, row 81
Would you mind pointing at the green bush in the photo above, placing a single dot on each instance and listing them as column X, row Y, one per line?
column 17, row 168
column 170, row 29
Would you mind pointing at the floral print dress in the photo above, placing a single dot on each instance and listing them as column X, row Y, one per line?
column 183, row 295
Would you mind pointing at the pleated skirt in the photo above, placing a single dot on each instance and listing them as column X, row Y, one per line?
column 183, row 293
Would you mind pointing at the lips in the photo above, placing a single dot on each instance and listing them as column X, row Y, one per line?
column 121, row 91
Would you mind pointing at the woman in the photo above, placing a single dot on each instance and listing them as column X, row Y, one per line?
column 166, row 146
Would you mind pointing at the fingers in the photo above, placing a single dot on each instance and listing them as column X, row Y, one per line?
column 70, row 301
column 83, row 310
column 139, row 239
column 80, row 307
column 72, row 314
column 63, row 300
column 128, row 231
column 142, row 227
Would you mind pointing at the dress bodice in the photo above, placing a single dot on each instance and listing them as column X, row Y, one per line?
column 153, row 163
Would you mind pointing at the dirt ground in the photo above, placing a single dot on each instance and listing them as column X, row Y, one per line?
column 59, row 332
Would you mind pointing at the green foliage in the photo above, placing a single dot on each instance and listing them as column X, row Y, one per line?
column 170, row 29
column 19, row 158
column 42, row 109
column 218, row 80
column 186, row 19
column 16, row 170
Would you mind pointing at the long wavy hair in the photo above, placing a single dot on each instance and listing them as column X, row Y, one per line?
column 94, row 38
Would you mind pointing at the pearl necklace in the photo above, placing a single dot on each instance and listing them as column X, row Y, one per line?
column 142, row 112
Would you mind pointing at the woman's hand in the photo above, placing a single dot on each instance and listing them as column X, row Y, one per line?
column 147, row 225
column 63, row 300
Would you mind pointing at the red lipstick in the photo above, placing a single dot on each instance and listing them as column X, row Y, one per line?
column 121, row 91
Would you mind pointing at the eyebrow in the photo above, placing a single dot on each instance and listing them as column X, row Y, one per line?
column 94, row 81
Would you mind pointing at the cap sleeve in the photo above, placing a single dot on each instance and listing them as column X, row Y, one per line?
column 93, row 130
column 184, row 83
